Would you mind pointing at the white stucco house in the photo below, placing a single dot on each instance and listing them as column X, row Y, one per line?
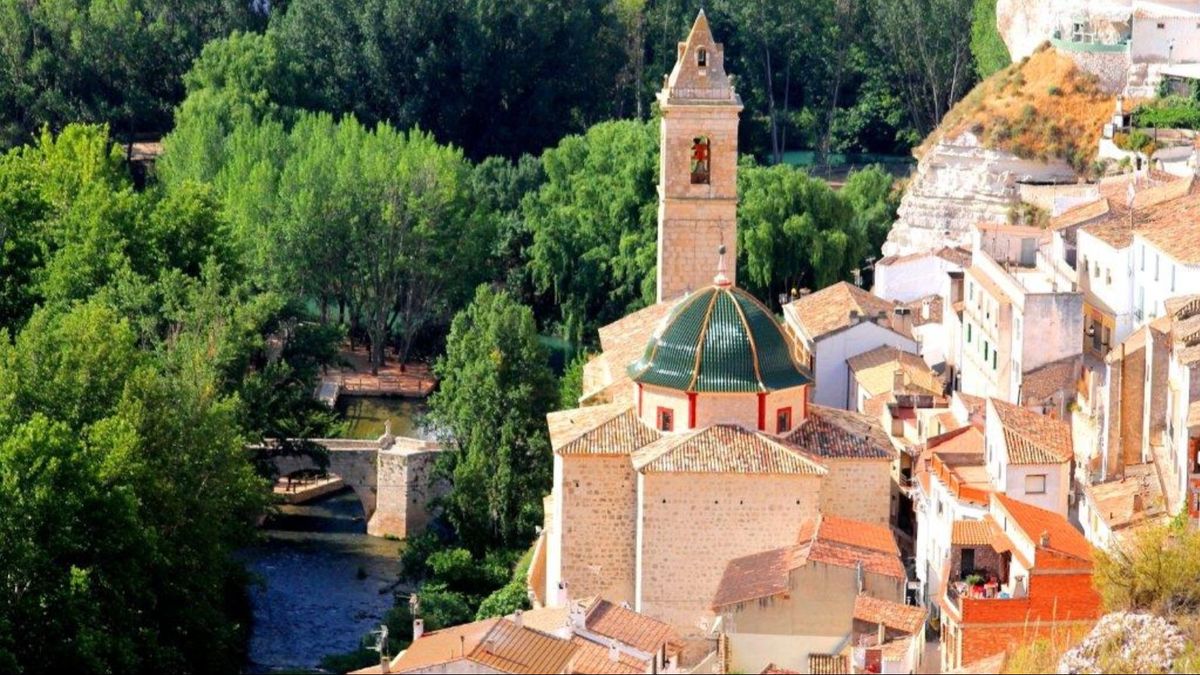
column 840, row 322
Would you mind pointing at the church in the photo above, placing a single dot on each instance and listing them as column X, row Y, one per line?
column 696, row 442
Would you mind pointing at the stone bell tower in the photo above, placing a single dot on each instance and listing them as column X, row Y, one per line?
column 697, row 188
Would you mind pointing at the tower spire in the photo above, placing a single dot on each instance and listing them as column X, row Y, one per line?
column 721, row 279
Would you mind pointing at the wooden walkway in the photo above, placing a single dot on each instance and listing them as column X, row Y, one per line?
column 415, row 380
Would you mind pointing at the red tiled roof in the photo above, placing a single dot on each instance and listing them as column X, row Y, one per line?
column 760, row 575
column 971, row 533
column 724, row 448
column 828, row 309
column 619, row 435
column 826, row 539
column 592, row 658
column 1031, row 438
column 1064, row 540
column 629, row 627
column 1049, row 379
column 510, row 648
column 906, row 618
column 834, row 433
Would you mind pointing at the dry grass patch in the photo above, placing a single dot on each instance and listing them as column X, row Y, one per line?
column 1042, row 107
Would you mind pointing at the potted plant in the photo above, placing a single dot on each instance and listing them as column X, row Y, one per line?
column 975, row 583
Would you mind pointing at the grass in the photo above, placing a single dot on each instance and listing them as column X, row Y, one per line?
column 1042, row 107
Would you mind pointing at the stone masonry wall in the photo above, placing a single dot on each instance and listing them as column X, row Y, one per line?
column 694, row 220
column 406, row 488
column 598, row 538
column 691, row 525
column 860, row 489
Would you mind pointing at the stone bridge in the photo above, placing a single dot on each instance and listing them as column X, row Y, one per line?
column 392, row 476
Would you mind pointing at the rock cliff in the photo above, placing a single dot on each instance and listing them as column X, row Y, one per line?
column 1037, row 121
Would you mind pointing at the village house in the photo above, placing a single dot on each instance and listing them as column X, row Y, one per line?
column 907, row 278
column 1029, row 455
column 838, row 323
column 698, row 440
column 1017, row 318
column 808, row 600
column 1018, row 573
column 586, row 636
column 1124, row 282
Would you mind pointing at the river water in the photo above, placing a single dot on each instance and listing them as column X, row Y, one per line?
column 323, row 583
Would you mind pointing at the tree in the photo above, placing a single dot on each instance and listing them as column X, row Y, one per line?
column 987, row 47
column 495, row 390
column 793, row 231
column 593, row 225
column 928, row 42
column 117, row 63
column 1157, row 570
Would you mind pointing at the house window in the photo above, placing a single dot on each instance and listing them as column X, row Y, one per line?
column 968, row 333
column 702, row 57
column 783, row 420
column 1161, row 25
column 701, row 158
column 986, row 350
column 1035, row 484
column 1156, row 259
column 1085, row 265
column 666, row 419
column 994, row 366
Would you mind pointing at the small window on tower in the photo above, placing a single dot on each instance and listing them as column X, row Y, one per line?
column 783, row 420
column 666, row 419
column 701, row 157
column 702, row 57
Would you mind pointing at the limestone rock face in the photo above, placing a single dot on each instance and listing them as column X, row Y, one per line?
column 1025, row 24
column 1125, row 642
column 958, row 183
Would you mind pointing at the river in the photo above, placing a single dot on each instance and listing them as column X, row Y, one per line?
column 322, row 584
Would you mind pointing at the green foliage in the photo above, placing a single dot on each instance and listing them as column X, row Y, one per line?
column 1172, row 112
column 570, row 386
column 593, row 224
column 495, row 390
column 1157, row 569
column 511, row 597
column 987, row 47
column 99, row 61
column 794, row 231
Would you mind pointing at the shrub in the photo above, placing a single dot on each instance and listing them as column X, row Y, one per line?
column 1156, row 569
column 1055, row 90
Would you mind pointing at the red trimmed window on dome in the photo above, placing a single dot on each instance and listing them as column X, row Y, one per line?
column 666, row 419
column 783, row 420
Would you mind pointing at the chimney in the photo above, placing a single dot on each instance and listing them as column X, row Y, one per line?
column 519, row 619
column 898, row 380
column 385, row 664
column 881, row 635
column 853, row 317
column 614, row 652
column 1139, row 503
column 564, row 597
column 804, row 292
column 925, row 310
column 881, row 318
column 1044, row 540
column 418, row 629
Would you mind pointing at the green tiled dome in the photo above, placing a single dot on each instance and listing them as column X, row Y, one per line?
column 719, row 339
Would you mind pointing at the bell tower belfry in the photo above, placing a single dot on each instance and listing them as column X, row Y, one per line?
column 697, row 188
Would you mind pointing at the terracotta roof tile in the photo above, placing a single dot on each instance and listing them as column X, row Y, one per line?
column 1031, row 438
column 1051, row 378
column 834, row 433
column 1078, row 215
column 1130, row 500
column 760, row 575
column 593, row 658
column 567, row 425
column 828, row 309
column 622, row 342
column 1064, row 540
column 970, row 533
column 906, row 618
column 724, row 448
column 826, row 539
column 917, row 315
column 875, row 371
column 443, row 646
column 619, row 435
column 510, row 648
column 629, row 627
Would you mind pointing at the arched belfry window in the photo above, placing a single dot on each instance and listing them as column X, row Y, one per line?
column 702, row 57
column 701, row 159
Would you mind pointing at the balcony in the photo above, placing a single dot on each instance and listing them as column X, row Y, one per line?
column 977, row 571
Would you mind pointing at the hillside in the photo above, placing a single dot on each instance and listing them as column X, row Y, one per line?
column 1041, row 107
column 1038, row 120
